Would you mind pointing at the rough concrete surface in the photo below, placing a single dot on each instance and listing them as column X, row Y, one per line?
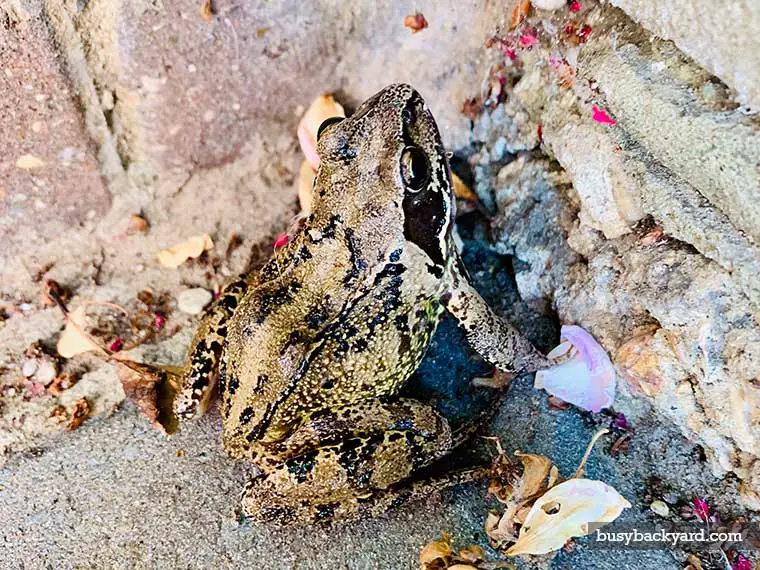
column 645, row 232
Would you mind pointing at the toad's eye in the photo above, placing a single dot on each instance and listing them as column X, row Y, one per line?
column 326, row 123
column 415, row 169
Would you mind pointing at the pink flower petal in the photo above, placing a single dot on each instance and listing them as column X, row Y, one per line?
column 601, row 116
column 586, row 379
column 510, row 53
column 281, row 240
column 116, row 345
column 527, row 40
column 741, row 563
column 584, row 33
column 575, row 6
column 159, row 321
column 701, row 508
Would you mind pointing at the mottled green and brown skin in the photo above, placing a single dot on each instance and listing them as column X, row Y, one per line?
column 309, row 353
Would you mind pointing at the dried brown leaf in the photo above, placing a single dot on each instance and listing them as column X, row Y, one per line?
column 532, row 481
column 74, row 339
column 58, row 414
column 138, row 224
column 60, row 383
column 416, row 22
column 472, row 553
column 461, row 190
column 53, row 293
column 80, row 413
column 322, row 108
column 306, row 176
column 191, row 248
column 207, row 10
column 520, row 11
column 152, row 390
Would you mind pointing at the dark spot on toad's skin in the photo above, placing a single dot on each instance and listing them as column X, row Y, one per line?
column 325, row 511
column 401, row 322
column 293, row 338
column 405, row 344
column 261, row 381
column 301, row 466
column 234, row 384
column 303, row 253
column 357, row 263
column 350, row 331
column 277, row 298
column 328, row 384
column 400, row 499
column 278, row 514
column 395, row 255
column 315, row 318
column 247, row 415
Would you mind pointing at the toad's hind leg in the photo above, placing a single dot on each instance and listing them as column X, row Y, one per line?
column 201, row 369
column 351, row 474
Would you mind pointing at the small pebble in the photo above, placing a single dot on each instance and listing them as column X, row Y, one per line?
column 192, row 301
column 29, row 367
column 46, row 372
column 660, row 508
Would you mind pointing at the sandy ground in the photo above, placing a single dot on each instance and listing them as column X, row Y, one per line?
column 118, row 494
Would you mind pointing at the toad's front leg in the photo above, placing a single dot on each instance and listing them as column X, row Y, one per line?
column 492, row 336
column 350, row 461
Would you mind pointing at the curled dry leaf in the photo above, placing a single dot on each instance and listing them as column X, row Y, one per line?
column 152, row 390
column 565, row 511
column 433, row 552
column 498, row 381
column 80, row 413
column 521, row 493
column 58, row 414
column 462, row 567
column 207, row 10
column 53, row 293
column 306, row 176
column 472, row 553
column 533, row 479
column 322, row 108
column 74, row 340
column 191, row 248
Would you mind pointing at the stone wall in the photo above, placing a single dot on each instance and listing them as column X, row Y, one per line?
column 654, row 219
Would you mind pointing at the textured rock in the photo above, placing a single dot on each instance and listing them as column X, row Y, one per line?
column 653, row 249
column 723, row 38
column 192, row 301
